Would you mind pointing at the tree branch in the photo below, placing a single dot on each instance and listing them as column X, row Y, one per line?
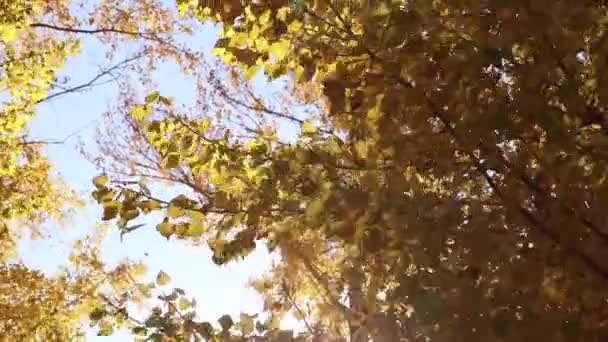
column 324, row 284
column 525, row 213
column 145, row 35
column 88, row 31
column 91, row 82
column 57, row 141
column 293, row 303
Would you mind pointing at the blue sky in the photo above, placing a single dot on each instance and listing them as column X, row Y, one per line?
column 217, row 290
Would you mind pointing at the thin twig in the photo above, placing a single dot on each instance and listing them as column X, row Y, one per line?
column 58, row 141
column 324, row 284
column 145, row 35
column 119, row 309
column 88, row 31
column 297, row 307
column 90, row 82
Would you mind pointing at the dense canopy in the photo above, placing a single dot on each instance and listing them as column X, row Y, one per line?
column 425, row 170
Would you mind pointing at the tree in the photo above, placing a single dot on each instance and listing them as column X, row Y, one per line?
column 36, row 306
column 28, row 64
column 37, row 37
column 458, row 147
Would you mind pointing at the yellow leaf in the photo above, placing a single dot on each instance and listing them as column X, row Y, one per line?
column 250, row 72
column 152, row 97
column 294, row 26
column 165, row 100
column 361, row 148
column 196, row 224
column 374, row 113
column 100, row 181
column 184, row 304
column 174, row 211
column 204, row 125
column 139, row 112
column 218, row 51
column 261, row 44
column 246, row 323
column 299, row 72
column 8, row 33
column 149, row 205
column 314, row 208
column 162, row 278
column 172, row 161
column 382, row 9
column 308, row 128
column 332, row 146
column 238, row 40
column 166, row 229
column 249, row 14
column 279, row 49
column 265, row 17
column 282, row 13
column 138, row 269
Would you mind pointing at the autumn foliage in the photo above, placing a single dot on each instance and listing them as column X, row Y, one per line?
column 426, row 170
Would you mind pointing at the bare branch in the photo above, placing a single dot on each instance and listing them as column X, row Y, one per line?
column 91, row 83
column 293, row 303
column 57, row 141
column 153, row 36
column 89, row 31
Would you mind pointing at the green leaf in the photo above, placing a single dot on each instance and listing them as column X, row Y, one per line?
column 162, row 278
column 100, row 181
